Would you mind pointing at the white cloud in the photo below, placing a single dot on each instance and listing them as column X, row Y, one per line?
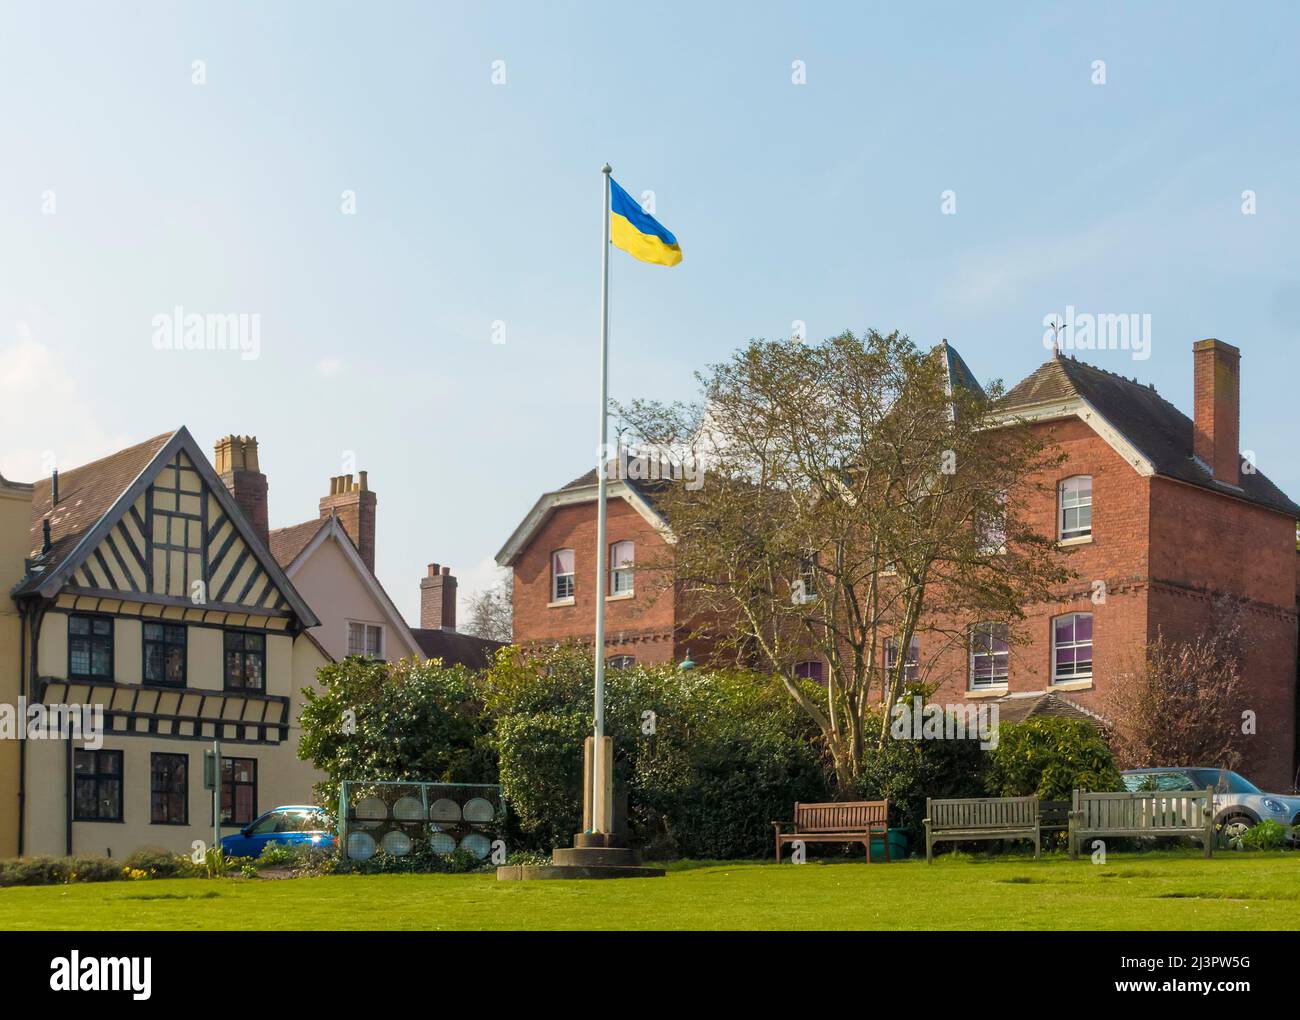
column 45, row 416
column 469, row 582
column 330, row 366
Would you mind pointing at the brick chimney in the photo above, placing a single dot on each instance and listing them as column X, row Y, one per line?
column 236, row 463
column 354, row 505
column 438, row 599
column 1216, row 435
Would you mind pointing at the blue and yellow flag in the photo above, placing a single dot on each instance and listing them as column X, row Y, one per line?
column 637, row 232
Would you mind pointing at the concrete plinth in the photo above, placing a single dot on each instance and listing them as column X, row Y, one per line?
column 591, row 856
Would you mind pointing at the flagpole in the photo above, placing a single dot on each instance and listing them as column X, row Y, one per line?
column 601, row 489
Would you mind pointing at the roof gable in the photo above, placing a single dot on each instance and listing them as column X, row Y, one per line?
column 1153, row 427
column 156, row 524
column 640, row 495
column 330, row 530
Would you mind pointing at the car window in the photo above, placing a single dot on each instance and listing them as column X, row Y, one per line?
column 264, row 825
column 314, row 822
column 1207, row 777
column 1152, row 782
column 1237, row 783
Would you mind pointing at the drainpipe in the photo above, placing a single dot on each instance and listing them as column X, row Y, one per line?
column 22, row 744
column 68, row 780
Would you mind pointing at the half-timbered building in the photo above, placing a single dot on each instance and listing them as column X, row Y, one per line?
column 149, row 592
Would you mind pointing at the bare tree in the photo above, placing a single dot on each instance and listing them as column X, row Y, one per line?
column 1182, row 701
column 853, row 494
column 490, row 611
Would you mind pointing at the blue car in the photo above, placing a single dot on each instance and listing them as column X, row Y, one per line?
column 294, row 825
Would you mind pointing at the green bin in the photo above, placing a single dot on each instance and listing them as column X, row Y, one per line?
column 897, row 846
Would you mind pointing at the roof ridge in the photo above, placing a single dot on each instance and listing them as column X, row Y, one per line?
column 165, row 436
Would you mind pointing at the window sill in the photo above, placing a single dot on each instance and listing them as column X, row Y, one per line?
column 560, row 602
column 622, row 596
column 1066, row 543
column 988, row 692
column 1072, row 685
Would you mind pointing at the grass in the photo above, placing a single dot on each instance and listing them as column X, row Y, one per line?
column 1161, row 890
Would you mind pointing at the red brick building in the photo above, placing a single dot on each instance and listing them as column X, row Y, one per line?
column 553, row 556
column 1159, row 511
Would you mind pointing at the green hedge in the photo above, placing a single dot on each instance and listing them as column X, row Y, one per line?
column 1050, row 757
column 707, row 760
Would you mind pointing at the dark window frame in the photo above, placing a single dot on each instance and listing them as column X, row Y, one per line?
column 230, row 785
column 245, row 654
column 92, row 637
column 184, row 790
column 97, row 777
column 146, row 641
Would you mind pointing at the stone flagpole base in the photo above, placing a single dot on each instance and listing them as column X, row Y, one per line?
column 597, row 852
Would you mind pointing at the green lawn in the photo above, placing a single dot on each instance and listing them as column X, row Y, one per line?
column 1175, row 890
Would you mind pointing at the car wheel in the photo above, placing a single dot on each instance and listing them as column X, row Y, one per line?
column 1233, row 828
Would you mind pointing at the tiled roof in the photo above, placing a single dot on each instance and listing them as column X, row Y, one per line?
column 958, row 372
column 1159, row 431
column 86, row 493
column 1018, row 708
column 287, row 543
column 648, row 490
column 456, row 649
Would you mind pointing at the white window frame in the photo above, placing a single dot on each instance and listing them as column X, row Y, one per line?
column 567, row 577
column 366, row 628
column 993, row 539
column 995, row 682
column 1090, row 644
column 622, row 576
column 1075, row 504
column 805, row 588
column 912, row 667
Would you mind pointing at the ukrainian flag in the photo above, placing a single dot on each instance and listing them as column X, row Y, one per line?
column 638, row 233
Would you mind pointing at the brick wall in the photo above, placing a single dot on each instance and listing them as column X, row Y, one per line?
column 642, row 626
column 1117, row 556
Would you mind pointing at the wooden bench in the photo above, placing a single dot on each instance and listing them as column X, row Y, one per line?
column 981, row 818
column 846, row 822
column 1142, row 814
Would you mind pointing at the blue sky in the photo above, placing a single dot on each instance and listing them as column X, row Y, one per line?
column 479, row 202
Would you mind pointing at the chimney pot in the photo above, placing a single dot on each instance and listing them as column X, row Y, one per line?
column 438, row 599
column 354, row 506
column 237, row 464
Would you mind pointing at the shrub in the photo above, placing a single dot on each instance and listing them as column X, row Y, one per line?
column 92, row 869
column 707, row 759
column 421, row 859
column 418, row 721
column 60, row 870
column 1050, row 757
column 159, row 863
column 908, row 771
column 1265, row 835
column 32, row 871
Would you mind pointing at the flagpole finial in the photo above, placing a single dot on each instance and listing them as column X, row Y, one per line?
column 607, row 169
